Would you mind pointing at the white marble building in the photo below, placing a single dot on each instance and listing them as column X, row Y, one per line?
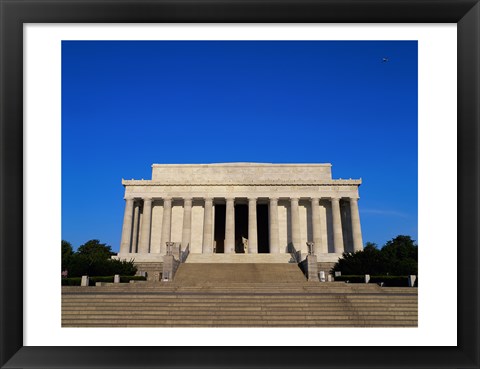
column 213, row 207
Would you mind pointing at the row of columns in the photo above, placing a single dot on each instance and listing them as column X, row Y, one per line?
column 130, row 228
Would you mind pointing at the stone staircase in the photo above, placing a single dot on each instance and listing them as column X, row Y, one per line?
column 196, row 274
column 239, row 304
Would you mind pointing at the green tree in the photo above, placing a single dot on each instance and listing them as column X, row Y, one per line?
column 367, row 261
column 94, row 259
column 398, row 256
column 370, row 245
column 401, row 256
column 94, row 250
column 401, row 247
column 67, row 253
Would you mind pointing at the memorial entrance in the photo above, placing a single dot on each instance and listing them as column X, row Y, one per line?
column 242, row 237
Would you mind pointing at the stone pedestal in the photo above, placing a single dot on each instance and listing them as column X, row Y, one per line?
column 85, row 281
column 170, row 266
column 322, row 276
column 411, row 280
column 312, row 268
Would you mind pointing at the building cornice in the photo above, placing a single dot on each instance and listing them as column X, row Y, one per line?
column 243, row 164
column 334, row 182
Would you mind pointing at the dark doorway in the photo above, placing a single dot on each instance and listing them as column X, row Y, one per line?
column 219, row 228
column 262, row 228
column 241, row 227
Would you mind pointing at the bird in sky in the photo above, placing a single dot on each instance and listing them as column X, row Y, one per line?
column 384, row 60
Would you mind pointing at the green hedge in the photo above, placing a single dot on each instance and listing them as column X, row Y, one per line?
column 388, row 280
column 77, row 281
column 78, row 265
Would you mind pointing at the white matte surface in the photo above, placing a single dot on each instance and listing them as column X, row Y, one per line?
column 42, row 235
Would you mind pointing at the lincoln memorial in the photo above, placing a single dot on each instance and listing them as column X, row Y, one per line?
column 241, row 208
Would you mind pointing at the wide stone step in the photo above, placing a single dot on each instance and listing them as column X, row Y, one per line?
column 181, row 319
column 192, row 303
column 263, row 310
column 235, row 284
column 219, row 290
column 245, row 314
column 243, row 302
column 223, row 302
column 241, row 323
column 380, row 304
column 238, row 317
column 238, row 296
column 222, row 286
column 238, row 258
column 234, row 306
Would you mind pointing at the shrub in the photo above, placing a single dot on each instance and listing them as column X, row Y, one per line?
column 351, row 278
column 388, row 280
column 77, row 281
column 123, row 267
column 78, row 265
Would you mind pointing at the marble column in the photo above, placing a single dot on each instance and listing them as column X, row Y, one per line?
column 136, row 223
column 252, row 226
column 230, row 227
column 144, row 244
column 316, row 224
column 337, row 226
column 187, row 223
column 295, row 223
column 207, row 244
column 166, row 225
column 273, row 226
column 356, row 229
column 214, row 245
column 127, row 227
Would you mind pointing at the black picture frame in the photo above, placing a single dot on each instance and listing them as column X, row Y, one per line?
column 14, row 13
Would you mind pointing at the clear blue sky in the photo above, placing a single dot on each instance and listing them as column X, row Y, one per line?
column 129, row 104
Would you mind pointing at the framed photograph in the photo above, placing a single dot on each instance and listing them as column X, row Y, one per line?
column 31, row 333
